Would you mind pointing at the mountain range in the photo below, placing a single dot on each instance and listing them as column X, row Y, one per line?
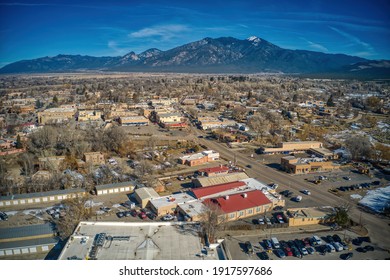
column 220, row 55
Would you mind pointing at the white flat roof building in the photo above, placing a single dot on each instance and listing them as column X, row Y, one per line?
column 135, row 241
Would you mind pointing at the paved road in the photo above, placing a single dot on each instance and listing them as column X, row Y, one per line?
column 379, row 227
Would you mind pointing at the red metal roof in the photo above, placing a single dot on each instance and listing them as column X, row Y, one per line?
column 215, row 169
column 237, row 202
column 205, row 191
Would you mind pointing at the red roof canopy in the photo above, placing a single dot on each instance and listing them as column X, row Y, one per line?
column 206, row 191
column 237, row 202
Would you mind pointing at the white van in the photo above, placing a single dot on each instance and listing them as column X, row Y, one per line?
column 338, row 246
column 275, row 243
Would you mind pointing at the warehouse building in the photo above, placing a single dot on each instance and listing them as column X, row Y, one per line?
column 27, row 240
column 41, row 197
column 291, row 147
column 127, row 186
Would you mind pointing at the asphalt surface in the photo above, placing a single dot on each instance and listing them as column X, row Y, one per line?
column 378, row 226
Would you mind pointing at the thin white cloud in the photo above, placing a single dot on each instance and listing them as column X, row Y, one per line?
column 316, row 46
column 163, row 32
column 25, row 4
column 114, row 46
column 368, row 49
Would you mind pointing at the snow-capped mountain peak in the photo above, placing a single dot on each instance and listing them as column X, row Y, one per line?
column 255, row 40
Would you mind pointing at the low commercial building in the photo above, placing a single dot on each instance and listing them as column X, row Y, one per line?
column 295, row 165
column 307, row 216
column 137, row 241
column 323, row 153
column 144, row 195
column 40, row 197
column 27, row 240
column 199, row 158
column 56, row 115
column 217, row 180
column 89, row 115
column 214, row 171
column 290, row 147
column 193, row 211
column 240, row 205
column 168, row 204
column 134, row 121
column 127, row 186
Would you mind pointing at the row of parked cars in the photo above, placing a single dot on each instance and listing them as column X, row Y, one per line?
column 143, row 214
column 358, row 186
column 277, row 219
column 308, row 246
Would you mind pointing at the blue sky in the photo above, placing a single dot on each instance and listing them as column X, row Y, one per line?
column 31, row 29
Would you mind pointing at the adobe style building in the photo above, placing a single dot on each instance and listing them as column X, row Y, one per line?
column 307, row 216
column 199, row 158
column 89, row 115
column 295, row 165
column 290, row 147
column 56, row 115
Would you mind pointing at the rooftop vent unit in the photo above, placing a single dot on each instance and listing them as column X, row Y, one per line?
column 244, row 195
column 226, row 197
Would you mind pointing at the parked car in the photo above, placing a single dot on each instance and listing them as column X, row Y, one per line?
column 261, row 221
column 361, row 249
column 280, row 219
column 369, row 248
column 279, row 253
column 347, row 178
column 134, row 213
column 288, row 251
column 310, row 250
column 330, row 248
column 168, row 217
column 105, row 209
column 297, row 198
column 267, row 221
column 303, row 251
column 336, row 238
column 248, row 247
column 263, row 255
column 296, row 252
column 267, row 244
column 142, row 215
column 120, row 214
column 346, row 256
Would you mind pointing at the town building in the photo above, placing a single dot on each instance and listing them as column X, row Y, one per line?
column 291, row 147
column 144, row 195
column 134, row 121
column 218, row 180
column 199, row 158
column 167, row 204
column 89, row 115
column 138, row 241
column 240, row 205
column 307, row 216
column 214, row 171
column 94, row 158
column 24, row 240
column 127, row 186
column 56, row 115
column 295, row 165
column 40, row 197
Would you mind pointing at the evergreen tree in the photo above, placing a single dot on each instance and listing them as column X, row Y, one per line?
column 18, row 143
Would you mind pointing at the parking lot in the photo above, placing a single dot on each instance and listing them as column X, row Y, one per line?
column 238, row 248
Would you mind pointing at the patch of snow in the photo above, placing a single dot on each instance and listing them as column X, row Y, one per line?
column 91, row 203
column 116, row 206
column 356, row 196
column 11, row 213
column 377, row 199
